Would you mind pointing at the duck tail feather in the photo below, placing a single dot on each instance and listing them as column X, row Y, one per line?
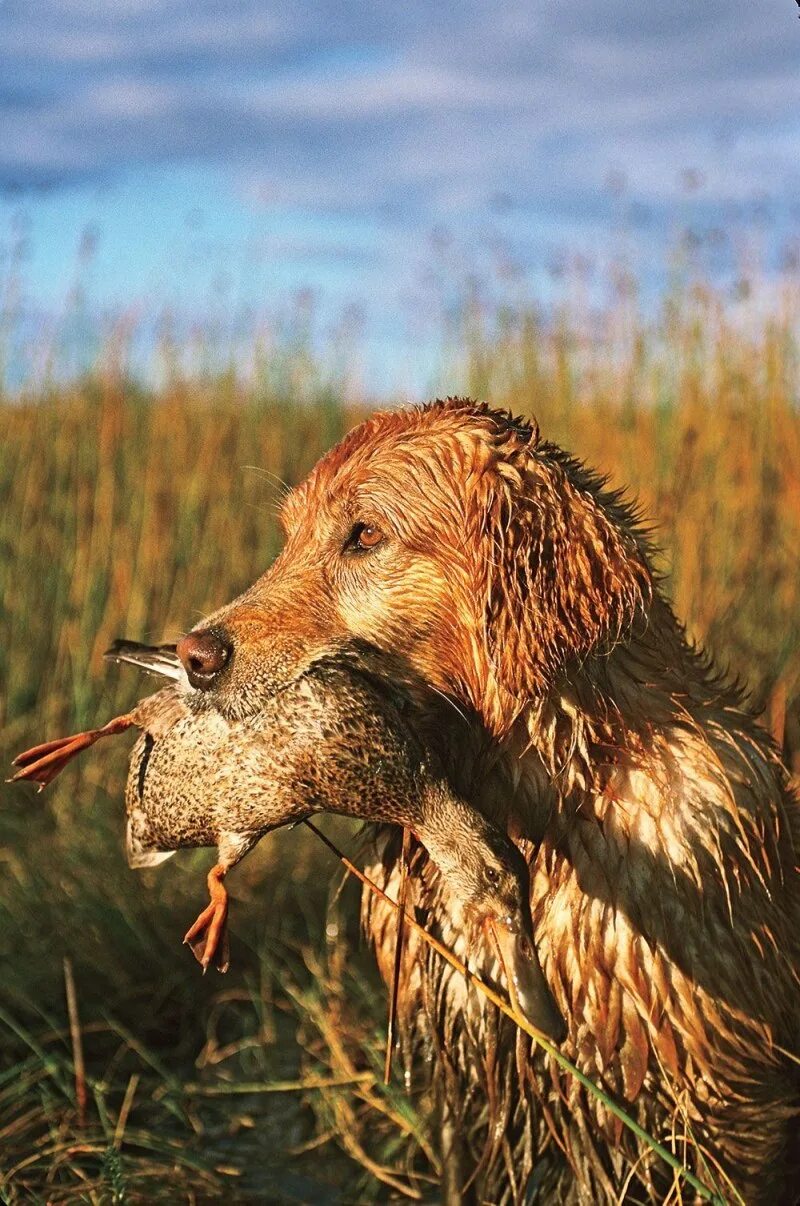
column 154, row 659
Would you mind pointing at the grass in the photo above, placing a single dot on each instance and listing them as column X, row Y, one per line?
column 128, row 512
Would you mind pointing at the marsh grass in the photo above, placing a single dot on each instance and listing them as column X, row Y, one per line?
column 128, row 512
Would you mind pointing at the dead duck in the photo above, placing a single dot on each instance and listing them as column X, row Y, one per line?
column 336, row 741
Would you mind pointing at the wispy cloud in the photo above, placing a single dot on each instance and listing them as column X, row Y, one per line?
column 432, row 106
column 231, row 152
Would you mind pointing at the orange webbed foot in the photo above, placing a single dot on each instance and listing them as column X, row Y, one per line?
column 208, row 935
column 43, row 762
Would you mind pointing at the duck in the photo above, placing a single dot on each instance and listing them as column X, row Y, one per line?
column 337, row 740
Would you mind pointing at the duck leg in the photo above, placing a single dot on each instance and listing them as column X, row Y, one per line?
column 208, row 935
column 43, row 762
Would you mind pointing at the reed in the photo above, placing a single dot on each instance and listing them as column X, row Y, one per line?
column 128, row 511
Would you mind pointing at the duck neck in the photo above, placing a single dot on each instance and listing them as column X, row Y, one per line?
column 447, row 827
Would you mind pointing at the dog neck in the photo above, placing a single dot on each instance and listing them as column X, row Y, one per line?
column 648, row 723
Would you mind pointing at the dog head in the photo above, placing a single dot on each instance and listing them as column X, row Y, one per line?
column 449, row 540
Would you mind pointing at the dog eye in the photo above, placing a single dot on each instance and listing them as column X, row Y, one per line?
column 492, row 876
column 363, row 538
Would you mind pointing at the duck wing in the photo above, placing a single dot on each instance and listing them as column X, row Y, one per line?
column 142, row 847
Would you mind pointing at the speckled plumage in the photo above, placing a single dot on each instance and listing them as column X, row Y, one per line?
column 331, row 740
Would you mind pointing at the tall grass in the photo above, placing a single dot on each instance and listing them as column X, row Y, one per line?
column 128, row 512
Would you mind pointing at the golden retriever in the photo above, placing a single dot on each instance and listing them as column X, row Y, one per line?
column 501, row 576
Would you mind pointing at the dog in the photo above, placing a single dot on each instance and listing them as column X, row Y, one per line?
column 504, row 580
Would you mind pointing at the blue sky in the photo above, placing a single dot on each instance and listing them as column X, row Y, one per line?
column 226, row 155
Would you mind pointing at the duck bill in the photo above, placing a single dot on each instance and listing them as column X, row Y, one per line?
column 527, row 987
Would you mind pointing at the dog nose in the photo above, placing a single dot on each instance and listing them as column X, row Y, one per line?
column 204, row 654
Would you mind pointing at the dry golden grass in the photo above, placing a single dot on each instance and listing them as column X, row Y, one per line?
column 126, row 513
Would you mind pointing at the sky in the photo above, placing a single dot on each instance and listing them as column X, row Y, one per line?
column 220, row 159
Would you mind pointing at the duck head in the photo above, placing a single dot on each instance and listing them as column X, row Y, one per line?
column 489, row 875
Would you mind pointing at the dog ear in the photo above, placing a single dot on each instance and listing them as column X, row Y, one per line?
column 566, row 576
